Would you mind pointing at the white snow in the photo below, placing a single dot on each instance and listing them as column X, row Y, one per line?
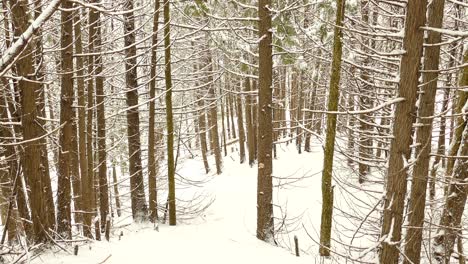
column 226, row 230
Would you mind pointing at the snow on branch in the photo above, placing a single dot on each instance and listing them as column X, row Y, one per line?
column 12, row 52
column 454, row 33
column 367, row 111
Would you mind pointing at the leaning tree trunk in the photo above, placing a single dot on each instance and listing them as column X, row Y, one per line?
column 400, row 147
column 333, row 97
column 417, row 201
column 450, row 222
column 265, row 224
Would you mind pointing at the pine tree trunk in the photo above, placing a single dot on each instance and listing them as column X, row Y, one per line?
column 86, row 216
column 223, row 126
column 10, row 176
column 89, row 204
column 400, row 147
column 169, row 115
column 240, row 126
column 265, row 224
column 450, row 223
column 417, row 201
column 137, row 187
column 299, row 113
column 152, row 163
column 365, row 90
column 231, row 110
column 327, row 188
column 115, row 183
column 213, row 115
column 101, row 135
column 32, row 155
column 350, row 129
column 248, row 121
column 201, row 120
column 66, row 119
column 255, row 118
column 458, row 128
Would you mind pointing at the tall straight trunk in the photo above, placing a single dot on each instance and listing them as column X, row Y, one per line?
column 213, row 116
column 38, row 58
column 299, row 113
column 223, row 126
column 10, row 176
column 66, row 119
column 202, row 131
column 265, row 223
column 85, row 216
column 277, row 132
column 101, row 136
column 152, row 190
column 88, row 184
column 365, row 129
column 450, row 221
column 227, row 99
column 15, row 115
column 248, row 121
column 137, row 187
column 283, row 96
column 84, row 131
column 231, row 110
column 255, row 118
column 417, row 201
column 292, row 104
column 32, row 161
column 400, row 147
column 351, row 128
column 115, row 183
column 169, row 115
column 201, row 125
column 75, row 171
column 333, row 97
column 240, row 126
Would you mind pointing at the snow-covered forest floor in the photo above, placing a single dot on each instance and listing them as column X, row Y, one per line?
column 225, row 230
column 217, row 218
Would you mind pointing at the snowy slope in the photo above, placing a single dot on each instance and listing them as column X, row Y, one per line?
column 224, row 231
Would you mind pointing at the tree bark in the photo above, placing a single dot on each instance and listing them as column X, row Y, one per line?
column 265, row 223
column 417, row 201
column 333, row 97
column 152, row 162
column 450, row 222
column 29, row 92
column 249, row 124
column 240, row 126
column 66, row 119
column 138, row 198
column 169, row 115
column 400, row 147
